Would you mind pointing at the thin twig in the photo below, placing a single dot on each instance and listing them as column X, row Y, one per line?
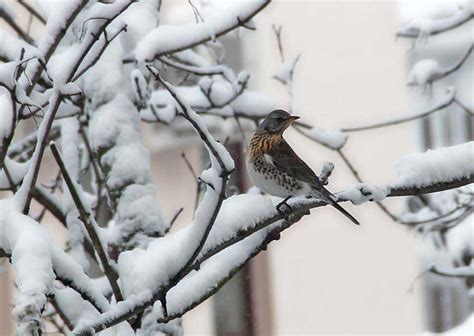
column 277, row 31
column 33, row 11
column 107, row 41
column 358, row 178
column 434, row 219
column 402, row 119
column 11, row 22
column 98, row 171
column 61, row 314
column 463, row 107
column 175, row 217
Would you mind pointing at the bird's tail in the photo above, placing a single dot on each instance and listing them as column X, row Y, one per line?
column 326, row 196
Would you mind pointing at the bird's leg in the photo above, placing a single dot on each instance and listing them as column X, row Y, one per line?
column 288, row 207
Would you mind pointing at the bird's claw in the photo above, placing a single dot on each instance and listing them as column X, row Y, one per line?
column 287, row 208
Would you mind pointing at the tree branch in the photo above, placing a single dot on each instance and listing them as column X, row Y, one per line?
column 89, row 224
column 432, row 188
column 414, row 32
column 299, row 208
column 32, row 11
column 401, row 120
column 11, row 22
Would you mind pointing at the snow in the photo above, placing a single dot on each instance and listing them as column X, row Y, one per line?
column 425, row 23
column 149, row 269
column 166, row 39
column 251, row 209
column 139, row 85
column 251, row 104
column 440, row 165
column 460, row 240
column 7, row 71
column 62, row 12
column 29, row 247
column 17, row 171
column 424, row 72
column 10, row 46
column 203, row 282
column 360, row 193
column 67, row 268
column 332, row 138
column 114, row 133
column 140, row 18
column 6, row 113
column 285, row 72
column 129, row 164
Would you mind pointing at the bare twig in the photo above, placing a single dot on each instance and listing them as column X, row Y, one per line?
column 32, row 11
column 61, row 314
column 175, row 217
column 195, row 177
column 197, row 15
column 434, row 219
column 11, row 22
column 98, row 171
column 103, row 47
column 463, row 107
column 402, row 119
column 277, row 31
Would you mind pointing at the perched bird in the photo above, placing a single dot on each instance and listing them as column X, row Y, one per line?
column 276, row 169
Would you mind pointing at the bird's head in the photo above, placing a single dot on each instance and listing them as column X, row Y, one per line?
column 276, row 122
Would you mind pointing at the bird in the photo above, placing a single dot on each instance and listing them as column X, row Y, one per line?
column 276, row 169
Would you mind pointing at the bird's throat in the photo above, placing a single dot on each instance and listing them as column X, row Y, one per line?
column 261, row 144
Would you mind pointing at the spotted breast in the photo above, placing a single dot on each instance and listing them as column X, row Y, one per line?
column 264, row 174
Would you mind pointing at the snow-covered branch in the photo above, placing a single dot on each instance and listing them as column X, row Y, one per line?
column 166, row 40
column 421, row 27
column 89, row 223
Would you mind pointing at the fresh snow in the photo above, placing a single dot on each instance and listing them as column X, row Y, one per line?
column 424, row 72
column 439, row 165
column 286, row 70
column 167, row 39
column 332, row 138
column 147, row 269
column 424, row 26
column 17, row 171
column 29, row 246
column 361, row 192
column 6, row 113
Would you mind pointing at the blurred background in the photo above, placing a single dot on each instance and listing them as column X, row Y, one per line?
column 325, row 275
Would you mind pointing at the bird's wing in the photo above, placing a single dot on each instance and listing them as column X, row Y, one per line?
column 285, row 159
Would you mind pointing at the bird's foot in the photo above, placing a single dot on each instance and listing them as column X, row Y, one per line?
column 284, row 208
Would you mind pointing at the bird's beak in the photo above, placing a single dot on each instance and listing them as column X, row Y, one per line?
column 292, row 119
